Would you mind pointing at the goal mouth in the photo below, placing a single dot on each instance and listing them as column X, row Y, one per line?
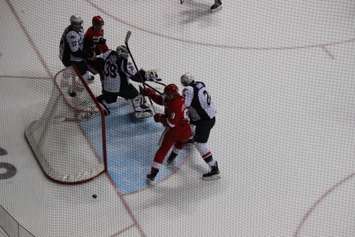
column 57, row 140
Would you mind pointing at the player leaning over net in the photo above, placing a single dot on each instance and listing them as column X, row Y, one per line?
column 94, row 40
column 118, row 70
column 71, row 49
column 177, row 129
column 95, row 44
column 202, row 114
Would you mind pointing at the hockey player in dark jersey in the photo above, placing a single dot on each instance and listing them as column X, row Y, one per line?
column 71, row 47
column 202, row 114
column 118, row 70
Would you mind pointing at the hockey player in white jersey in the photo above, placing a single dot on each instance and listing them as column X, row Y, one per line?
column 118, row 70
column 71, row 47
column 202, row 114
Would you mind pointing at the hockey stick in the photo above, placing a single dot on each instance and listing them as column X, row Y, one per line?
column 158, row 82
column 128, row 35
column 134, row 62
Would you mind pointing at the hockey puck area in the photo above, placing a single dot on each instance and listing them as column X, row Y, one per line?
column 7, row 170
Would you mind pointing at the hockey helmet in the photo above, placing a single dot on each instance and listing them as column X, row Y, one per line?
column 76, row 21
column 122, row 51
column 170, row 91
column 186, row 79
column 97, row 21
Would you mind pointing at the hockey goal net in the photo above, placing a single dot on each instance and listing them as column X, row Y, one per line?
column 69, row 139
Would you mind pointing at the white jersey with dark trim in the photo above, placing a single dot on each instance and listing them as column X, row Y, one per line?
column 198, row 102
column 72, row 43
column 117, row 71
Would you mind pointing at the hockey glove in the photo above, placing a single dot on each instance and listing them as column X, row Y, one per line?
column 152, row 75
column 160, row 118
column 102, row 41
column 148, row 92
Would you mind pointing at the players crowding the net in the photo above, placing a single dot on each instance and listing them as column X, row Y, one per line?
column 193, row 109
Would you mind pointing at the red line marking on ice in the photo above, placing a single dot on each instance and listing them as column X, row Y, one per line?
column 223, row 46
column 127, row 207
column 50, row 74
column 123, row 230
column 318, row 201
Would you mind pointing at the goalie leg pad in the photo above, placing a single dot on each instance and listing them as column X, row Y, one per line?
column 141, row 108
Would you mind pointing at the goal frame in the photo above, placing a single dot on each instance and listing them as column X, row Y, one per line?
column 103, row 115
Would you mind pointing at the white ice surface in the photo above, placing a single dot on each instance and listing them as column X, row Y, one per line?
column 282, row 76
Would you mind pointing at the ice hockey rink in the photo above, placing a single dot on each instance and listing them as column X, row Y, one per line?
column 282, row 76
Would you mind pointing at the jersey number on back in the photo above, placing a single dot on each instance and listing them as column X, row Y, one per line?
column 110, row 69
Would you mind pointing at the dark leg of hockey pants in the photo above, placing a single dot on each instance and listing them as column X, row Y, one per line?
column 128, row 91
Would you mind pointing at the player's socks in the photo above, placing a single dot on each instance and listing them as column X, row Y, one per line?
column 171, row 158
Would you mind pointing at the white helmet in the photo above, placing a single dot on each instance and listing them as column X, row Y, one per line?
column 74, row 19
column 76, row 22
column 186, row 79
column 122, row 51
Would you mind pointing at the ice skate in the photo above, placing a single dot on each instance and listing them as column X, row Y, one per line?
column 216, row 6
column 150, row 179
column 212, row 174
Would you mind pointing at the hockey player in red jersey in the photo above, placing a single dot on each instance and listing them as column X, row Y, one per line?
column 177, row 131
column 94, row 41
column 95, row 44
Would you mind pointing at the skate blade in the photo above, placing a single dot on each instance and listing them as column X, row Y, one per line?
column 170, row 165
column 216, row 9
column 211, row 178
column 150, row 182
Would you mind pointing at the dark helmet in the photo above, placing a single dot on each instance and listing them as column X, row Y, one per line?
column 97, row 21
column 170, row 91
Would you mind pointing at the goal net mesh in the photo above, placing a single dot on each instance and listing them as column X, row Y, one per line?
column 58, row 139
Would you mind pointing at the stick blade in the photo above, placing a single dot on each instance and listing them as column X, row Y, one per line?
column 128, row 35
